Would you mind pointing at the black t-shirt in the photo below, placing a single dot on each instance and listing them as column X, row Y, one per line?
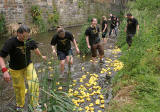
column 132, row 25
column 19, row 52
column 103, row 25
column 113, row 23
column 111, row 17
column 63, row 44
column 93, row 34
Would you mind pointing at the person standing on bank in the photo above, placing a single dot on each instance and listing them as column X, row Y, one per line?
column 93, row 40
column 104, row 28
column 131, row 28
column 62, row 40
column 21, row 67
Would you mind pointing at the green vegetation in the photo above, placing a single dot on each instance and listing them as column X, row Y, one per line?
column 53, row 91
column 3, row 29
column 37, row 18
column 53, row 18
column 53, row 98
column 141, row 63
column 82, row 41
column 80, row 3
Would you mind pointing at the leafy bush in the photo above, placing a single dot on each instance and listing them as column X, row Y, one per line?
column 3, row 28
column 53, row 18
column 53, row 97
column 141, row 62
column 82, row 41
column 37, row 18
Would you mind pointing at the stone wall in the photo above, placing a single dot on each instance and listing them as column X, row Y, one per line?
column 77, row 11
column 19, row 10
column 71, row 12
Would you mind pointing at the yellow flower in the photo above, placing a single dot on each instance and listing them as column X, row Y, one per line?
column 97, row 102
column 60, row 88
column 99, row 111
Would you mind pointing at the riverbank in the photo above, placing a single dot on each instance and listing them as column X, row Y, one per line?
column 136, row 87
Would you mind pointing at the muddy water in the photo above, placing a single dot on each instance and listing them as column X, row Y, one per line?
column 7, row 98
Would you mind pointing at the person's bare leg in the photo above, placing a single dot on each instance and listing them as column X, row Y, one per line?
column 62, row 63
column 70, row 62
column 69, row 59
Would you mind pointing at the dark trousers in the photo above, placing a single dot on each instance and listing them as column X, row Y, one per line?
column 129, row 39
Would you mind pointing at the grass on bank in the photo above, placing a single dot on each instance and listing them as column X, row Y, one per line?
column 137, row 86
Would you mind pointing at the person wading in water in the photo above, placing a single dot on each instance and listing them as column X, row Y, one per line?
column 62, row 40
column 21, row 67
column 93, row 40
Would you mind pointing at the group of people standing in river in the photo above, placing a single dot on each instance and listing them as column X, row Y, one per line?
column 19, row 49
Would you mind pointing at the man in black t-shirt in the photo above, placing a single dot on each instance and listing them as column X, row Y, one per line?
column 131, row 28
column 21, row 67
column 62, row 40
column 104, row 28
column 93, row 40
